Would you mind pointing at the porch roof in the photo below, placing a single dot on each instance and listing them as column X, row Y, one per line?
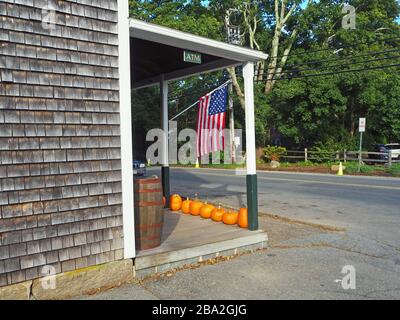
column 159, row 51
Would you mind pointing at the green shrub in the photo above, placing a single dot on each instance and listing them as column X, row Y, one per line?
column 273, row 153
column 319, row 154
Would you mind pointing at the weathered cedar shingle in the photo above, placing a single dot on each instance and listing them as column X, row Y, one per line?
column 59, row 138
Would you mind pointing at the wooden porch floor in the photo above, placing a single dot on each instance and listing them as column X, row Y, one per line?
column 188, row 239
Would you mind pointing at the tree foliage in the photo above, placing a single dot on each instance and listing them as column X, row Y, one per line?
column 300, row 109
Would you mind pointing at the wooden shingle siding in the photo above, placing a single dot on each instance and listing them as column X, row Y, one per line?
column 60, row 156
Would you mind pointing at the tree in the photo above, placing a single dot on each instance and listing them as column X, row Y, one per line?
column 324, row 110
column 305, row 40
column 189, row 16
column 284, row 28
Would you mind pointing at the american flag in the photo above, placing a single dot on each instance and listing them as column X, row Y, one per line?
column 211, row 121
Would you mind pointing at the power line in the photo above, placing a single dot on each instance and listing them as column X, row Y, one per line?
column 371, row 53
column 330, row 49
column 205, row 91
column 335, row 65
column 334, row 73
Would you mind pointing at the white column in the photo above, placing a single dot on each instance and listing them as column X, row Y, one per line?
column 126, row 129
column 165, row 173
column 248, row 75
column 164, row 120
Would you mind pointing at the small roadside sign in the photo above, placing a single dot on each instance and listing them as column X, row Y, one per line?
column 192, row 57
column 362, row 125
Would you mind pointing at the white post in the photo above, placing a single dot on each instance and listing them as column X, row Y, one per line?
column 165, row 143
column 164, row 120
column 251, row 179
column 124, row 54
column 248, row 74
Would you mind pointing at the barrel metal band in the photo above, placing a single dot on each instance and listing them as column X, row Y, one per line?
column 149, row 226
column 149, row 181
column 148, row 204
column 149, row 191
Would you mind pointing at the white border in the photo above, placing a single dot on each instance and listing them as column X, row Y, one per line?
column 124, row 54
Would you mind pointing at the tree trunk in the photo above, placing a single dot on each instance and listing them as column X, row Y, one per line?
column 237, row 87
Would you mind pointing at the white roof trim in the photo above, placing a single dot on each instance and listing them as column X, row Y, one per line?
column 171, row 37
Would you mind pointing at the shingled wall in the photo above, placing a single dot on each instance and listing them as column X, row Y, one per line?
column 60, row 168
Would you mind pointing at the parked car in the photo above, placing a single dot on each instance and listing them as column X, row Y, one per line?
column 394, row 148
column 139, row 168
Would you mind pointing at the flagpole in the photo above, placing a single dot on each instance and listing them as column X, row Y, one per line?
column 192, row 105
column 187, row 109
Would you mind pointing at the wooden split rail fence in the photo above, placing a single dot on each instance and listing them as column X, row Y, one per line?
column 344, row 156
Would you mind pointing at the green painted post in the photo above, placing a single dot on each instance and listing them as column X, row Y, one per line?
column 251, row 180
column 165, row 173
column 252, row 201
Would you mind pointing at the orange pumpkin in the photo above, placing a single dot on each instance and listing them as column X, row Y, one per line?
column 243, row 220
column 217, row 214
column 230, row 218
column 186, row 206
column 206, row 211
column 175, row 202
column 195, row 207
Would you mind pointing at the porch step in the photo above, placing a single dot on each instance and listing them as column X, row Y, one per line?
column 148, row 263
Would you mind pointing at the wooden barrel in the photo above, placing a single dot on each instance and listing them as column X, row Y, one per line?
column 149, row 213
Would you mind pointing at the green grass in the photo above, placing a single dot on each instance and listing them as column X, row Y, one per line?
column 351, row 167
column 302, row 164
column 394, row 170
column 216, row 166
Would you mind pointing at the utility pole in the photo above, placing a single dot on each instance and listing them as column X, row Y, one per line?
column 233, row 37
column 232, row 123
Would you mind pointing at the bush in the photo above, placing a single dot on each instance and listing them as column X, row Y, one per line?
column 322, row 155
column 274, row 153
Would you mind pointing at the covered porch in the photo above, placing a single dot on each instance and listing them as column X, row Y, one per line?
column 189, row 240
column 155, row 55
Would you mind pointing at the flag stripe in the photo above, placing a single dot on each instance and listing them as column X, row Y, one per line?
column 203, row 119
column 207, row 131
column 211, row 122
column 208, row 127
column 198, row 129
column 216, row 134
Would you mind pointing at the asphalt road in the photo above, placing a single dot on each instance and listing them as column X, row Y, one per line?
column 301, row 262
column 368, row 205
